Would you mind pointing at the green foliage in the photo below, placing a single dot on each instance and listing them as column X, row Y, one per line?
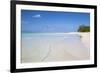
column 83, row 28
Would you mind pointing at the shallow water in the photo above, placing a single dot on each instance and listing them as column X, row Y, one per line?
column 41, row 47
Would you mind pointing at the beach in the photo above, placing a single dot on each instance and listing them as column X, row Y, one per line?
column 51, row 47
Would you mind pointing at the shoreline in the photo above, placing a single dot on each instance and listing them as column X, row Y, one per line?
column 85, row 37
column 55, row 49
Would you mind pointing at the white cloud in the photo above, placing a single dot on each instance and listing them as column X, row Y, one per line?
column 36, row 16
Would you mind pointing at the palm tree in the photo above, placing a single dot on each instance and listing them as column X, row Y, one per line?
column 83, row 28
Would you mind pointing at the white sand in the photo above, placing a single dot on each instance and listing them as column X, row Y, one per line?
column 85, row 37
column 60, row 48
column 65, row 51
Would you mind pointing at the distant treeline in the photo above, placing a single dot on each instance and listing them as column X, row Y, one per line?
column 83, row 28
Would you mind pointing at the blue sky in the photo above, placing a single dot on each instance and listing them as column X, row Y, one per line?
column 52, row 21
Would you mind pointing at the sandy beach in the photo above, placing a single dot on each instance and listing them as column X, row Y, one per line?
column 55, row 47
column 85, row 37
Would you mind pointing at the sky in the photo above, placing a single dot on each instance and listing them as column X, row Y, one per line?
column 52, row 22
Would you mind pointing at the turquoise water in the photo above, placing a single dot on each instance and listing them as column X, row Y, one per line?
column 50, row 35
